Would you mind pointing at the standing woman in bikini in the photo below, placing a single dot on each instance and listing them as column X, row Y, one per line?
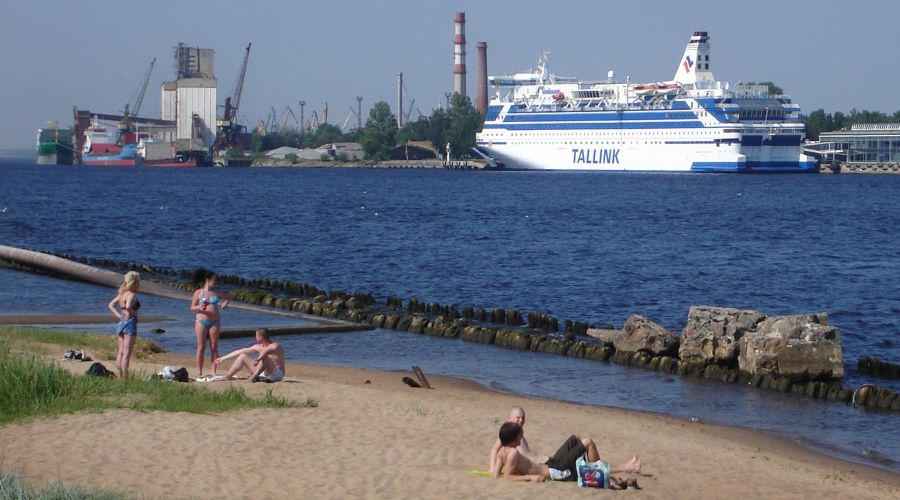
column 207, row 302
column 124, row 306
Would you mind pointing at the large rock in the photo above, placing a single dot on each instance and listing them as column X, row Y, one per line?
column 608, row 336
column 712, row 334
column 642, row 335
column 801, row 347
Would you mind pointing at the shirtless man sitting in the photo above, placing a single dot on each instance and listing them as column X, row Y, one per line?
column 264, row 359
column 517, row 415
column 515, row 466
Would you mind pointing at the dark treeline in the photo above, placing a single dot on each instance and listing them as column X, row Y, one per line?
column 456, row 126
column 819, row 121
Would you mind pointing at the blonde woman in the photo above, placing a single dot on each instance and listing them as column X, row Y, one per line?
column 125, row 306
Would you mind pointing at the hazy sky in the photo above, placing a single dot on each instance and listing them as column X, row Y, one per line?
column 830, row 54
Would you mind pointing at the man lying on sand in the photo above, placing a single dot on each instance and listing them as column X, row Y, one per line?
column 515, row 466
column 267, row 366
column 517, row 415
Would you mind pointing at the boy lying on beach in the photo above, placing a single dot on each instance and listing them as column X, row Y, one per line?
column 515, row 466
column 267, row 366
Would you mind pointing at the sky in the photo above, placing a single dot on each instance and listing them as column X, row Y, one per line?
column 93, row 54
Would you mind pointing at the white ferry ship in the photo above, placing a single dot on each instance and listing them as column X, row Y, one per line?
column 692, row 123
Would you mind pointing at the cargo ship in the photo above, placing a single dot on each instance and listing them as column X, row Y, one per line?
column 100, row 149
column 692, row 123
column 54, row 146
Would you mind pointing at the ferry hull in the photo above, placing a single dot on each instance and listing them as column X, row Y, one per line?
column 608, row 159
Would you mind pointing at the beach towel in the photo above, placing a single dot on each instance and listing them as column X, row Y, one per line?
column 592, row 474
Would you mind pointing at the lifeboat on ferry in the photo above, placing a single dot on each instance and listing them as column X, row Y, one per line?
column 559, row 96
column 646, row 89
column 668, row 88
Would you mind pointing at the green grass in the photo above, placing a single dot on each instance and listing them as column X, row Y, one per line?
column 417, row 410
column 13, row 487
column 31, row 387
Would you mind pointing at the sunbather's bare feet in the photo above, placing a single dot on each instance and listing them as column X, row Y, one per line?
column 633, row 466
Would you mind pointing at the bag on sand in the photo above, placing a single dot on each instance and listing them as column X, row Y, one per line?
column 98, row 370
column 592, row 474
column 181, row 374
column 170, row 373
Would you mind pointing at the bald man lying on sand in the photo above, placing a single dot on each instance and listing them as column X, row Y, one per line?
column 515, row 466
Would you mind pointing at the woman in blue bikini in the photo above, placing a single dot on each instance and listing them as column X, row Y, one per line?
column 207, row 302
column 124, row 306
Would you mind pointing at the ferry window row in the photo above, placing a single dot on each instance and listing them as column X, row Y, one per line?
column 762, row 114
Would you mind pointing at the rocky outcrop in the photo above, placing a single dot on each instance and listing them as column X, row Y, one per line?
column 608, row 336
column 800, row 347
column 712, row 334
column 642, row 335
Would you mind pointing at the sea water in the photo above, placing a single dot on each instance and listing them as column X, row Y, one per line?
column 593, row 247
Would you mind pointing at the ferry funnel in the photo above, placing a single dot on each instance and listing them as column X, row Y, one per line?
column 694, row 64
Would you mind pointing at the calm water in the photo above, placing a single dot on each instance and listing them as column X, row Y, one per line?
column 591, row 247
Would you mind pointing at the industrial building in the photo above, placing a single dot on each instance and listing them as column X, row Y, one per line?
column 190, row 101
column 870, row 143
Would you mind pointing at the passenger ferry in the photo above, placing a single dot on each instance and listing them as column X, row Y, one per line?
column 692, row 123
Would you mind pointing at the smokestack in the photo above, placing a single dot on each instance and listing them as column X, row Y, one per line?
column 459, row 54
column 399, row 100
column 481, row 92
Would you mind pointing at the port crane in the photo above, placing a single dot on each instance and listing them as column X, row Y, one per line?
column 283, row 121
column 313, row 123
column 228, row 127
column 132, row 109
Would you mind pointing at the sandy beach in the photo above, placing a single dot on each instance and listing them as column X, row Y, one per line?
column 371, row 436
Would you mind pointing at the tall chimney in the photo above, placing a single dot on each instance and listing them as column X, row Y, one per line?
column 459, row 54
column 481, row 92
column 399, row 100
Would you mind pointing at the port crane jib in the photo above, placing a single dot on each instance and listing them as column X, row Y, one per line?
column 283, row 121
column 133, row 108
column 228, row 129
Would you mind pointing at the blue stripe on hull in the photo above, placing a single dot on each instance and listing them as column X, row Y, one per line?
column 729, row 167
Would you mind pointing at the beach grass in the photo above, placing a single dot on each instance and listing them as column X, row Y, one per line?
column 12, row 486
column 31, row 387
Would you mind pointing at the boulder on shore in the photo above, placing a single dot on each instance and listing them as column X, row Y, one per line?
column 802, row 347
column 643, row 335
column 712, row 334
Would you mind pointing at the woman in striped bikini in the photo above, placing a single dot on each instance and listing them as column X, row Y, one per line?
column 207, row 303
